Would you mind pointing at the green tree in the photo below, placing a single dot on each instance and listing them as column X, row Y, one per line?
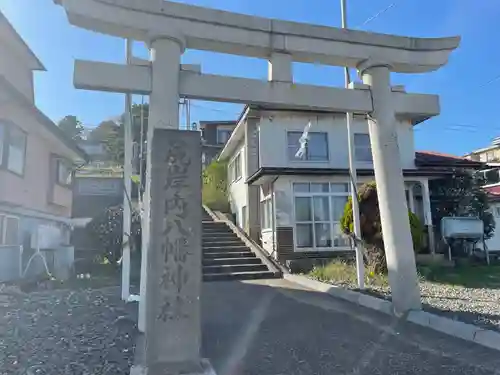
column 112, row 133
column 371, row 227
column 214, row 190
column 461, row 194
column 71, row 126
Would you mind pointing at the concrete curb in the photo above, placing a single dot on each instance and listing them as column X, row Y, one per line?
column 469, row 332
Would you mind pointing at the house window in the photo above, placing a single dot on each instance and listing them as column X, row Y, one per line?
column 2, row 141
column 244, row 217
column 223, row 135
column 316, row 148
column 12, row 148
column 318, row 209
column 266, row 214
column 234, row 169
column 9, row 230
column 362, row 147
column 64, row 174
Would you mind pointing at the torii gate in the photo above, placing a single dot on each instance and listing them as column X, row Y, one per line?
column 169, row 28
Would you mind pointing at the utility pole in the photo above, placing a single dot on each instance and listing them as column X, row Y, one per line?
column 141, row 153
column 360, row 265
column 127, row 185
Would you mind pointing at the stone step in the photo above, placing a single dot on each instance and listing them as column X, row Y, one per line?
column 209, row 240
column 231, row 261
column 224, row 241
column 217, row 230
column 227, row 249
column 239, row 276
column 217, row 246
column 234, row 268
column 226, row 255
column 219, row 235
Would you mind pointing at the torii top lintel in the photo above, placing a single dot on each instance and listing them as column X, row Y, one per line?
column 238, row 34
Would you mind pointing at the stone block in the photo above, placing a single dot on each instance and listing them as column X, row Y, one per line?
column 421, row 318
column 375, row 303
column 487, row 338
column 173, row 331
column 452, row 327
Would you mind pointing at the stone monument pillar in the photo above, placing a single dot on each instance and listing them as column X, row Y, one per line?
column 390, row 190
column 174, row 280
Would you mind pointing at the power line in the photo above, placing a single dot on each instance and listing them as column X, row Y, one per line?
column 377, row 15
column 496, row 78
column 235, row 113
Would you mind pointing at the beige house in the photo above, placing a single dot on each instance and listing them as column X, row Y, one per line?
column 36, row 158
column 293, row 205
column 486, row 154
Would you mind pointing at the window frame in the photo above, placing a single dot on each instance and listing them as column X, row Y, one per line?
column 244, row 218
column 7, row 128
column 332, row 222
column 3, row 233
column 307, row 157
column 362, row 147
column 58, row 161
column 234, row 169
column 225, row 131
column 266, row 212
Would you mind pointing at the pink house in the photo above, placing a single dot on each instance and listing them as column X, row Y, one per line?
column 36, row 158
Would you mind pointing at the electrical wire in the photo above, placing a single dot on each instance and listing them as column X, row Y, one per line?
column 377, row 15
column 215, row 109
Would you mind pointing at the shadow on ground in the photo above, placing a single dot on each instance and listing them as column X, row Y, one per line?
column 275, row 327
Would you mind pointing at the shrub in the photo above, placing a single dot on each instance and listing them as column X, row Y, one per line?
column 371, row 227
column 106, row 231
column 345, row 274
column 214, row 191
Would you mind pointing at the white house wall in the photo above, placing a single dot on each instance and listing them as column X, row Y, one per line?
column 238, row 189
column 273, row 140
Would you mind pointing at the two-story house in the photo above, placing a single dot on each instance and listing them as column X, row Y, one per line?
column 490, row 156
column 214, row 135
column 36, row 158
column 292, row 205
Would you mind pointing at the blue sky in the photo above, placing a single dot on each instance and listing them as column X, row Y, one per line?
column 468, row 85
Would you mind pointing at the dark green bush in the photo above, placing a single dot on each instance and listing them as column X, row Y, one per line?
column 106, row 229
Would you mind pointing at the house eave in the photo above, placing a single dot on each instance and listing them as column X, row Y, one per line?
column 236, row 136
column 42, row 119
column 33, row 62
column 265, row 174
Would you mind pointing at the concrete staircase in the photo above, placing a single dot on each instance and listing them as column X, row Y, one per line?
column 226, row 257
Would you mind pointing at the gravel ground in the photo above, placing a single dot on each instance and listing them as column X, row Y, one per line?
column 65, row 332
column 479, row 306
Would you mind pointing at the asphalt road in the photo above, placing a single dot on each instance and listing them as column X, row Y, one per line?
column 274, row 327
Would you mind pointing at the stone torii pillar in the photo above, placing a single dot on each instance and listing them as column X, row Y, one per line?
column 165, row 54
column 390, row 189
